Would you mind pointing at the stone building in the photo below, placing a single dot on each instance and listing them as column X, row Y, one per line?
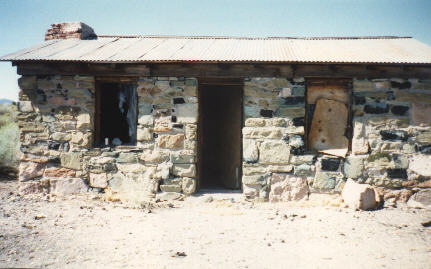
column 140, row 116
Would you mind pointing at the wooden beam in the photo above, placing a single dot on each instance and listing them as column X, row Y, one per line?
column 225, row 70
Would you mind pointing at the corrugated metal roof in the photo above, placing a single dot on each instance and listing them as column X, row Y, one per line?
column 113, row 49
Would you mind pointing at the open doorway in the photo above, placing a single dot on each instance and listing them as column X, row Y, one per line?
column 220, row 134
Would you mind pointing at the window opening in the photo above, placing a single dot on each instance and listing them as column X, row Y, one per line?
column 117, row 114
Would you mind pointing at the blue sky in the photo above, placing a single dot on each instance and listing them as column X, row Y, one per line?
column 23, row 23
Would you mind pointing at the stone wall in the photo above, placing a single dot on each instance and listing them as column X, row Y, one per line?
column 390, row 145
column 57, row 127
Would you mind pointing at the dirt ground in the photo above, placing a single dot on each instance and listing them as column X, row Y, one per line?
column 86, row 232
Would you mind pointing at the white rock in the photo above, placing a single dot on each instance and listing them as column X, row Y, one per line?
column 359, row 196
column 421, row 164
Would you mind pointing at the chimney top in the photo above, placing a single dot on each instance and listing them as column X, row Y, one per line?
column 68, row 30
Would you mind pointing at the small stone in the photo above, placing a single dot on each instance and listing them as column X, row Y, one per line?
column 25, row 106
column 98, row 180
column 250, row 151
column 394, row 135
column 330, row 164
column 30, row 170
column 359, row 196
column 169, row 196
column 29, row 187
column 188, row 185
column 72, row 160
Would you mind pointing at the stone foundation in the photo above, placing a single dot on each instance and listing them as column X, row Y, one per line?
column 390, row 143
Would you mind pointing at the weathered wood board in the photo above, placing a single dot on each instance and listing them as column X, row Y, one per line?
column 328, row 128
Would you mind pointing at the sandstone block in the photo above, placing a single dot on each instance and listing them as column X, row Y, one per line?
column 171, row 141
column 67, row 186
column 170, row 188
column 30, row 170
column 353, row 166
column 254, row 180
column 360, row 146
column 359, row 196
column 29, row 187
column 81, row 139
column 131, row 167
column 424, row 138
column 255, row 122
column 33, row 158
column 25, row 106
column 182, row 157
column 187, row 113
column 285, row 187
column 154, row 156
column 250, row 151
column 188, row 186
column 324, row 181
column 83, row 121
column 191, row 131
column 144, row 134
column 99, row 180
column 274, row 152
column 60, row 136
column 421, row 114
column 184, row 170
column 127, row 157
column 59, row 172
column 72, row 160
column 421, row 199
column 253, row 170
column 27, row 82
column 146, row 120
column 421, row 164
column 265, row 132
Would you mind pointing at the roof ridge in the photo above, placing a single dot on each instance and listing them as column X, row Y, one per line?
column 256, row 38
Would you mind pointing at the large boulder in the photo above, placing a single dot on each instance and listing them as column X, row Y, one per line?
column 359, row 196
column 421, row 199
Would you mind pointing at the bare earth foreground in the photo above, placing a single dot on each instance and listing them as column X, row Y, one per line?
column 86, row 232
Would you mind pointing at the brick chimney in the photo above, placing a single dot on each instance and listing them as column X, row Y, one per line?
column 67, row 30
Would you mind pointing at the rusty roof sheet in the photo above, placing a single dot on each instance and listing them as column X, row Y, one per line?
column 118, row 49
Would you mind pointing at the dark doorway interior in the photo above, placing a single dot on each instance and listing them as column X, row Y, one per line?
column 117, row 117
column 220, row 139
